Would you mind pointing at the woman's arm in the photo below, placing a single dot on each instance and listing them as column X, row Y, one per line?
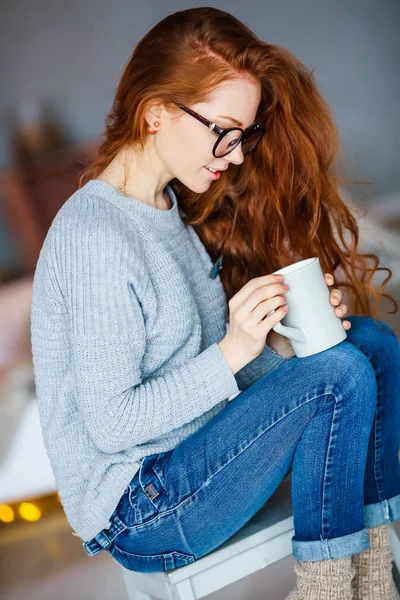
column 90, row 344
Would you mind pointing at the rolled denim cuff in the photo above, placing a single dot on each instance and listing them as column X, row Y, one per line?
column 385, row 511
column 339, row 547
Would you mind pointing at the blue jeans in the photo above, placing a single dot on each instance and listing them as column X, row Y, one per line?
column 333, row 419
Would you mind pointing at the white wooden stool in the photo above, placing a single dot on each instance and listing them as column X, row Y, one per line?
column 263, row 540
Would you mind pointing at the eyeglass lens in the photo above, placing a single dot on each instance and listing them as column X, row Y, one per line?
column 231, row 140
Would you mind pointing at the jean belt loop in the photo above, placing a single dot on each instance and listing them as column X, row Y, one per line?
column 104, row 539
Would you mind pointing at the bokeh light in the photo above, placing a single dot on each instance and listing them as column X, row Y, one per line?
column 29, row 511
column 6, row 513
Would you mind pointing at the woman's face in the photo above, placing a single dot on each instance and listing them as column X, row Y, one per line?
column 185, row 145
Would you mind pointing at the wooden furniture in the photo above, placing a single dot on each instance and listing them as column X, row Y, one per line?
column 31, row 195
column 263, row 540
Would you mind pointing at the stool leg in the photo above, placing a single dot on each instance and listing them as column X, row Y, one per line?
column 130, row 587
column 185, row 590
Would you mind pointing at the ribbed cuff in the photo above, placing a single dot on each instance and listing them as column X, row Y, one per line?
column 220, row 381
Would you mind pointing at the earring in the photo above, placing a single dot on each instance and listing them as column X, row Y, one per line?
column 149, row 129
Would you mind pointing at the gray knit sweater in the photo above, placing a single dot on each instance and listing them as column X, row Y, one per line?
column 125, row 323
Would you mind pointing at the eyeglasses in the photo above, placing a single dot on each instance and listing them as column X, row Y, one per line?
column 228, row 139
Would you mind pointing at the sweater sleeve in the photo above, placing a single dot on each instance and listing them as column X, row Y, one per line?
column 108, row 342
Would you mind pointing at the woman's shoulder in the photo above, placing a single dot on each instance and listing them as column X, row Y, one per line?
column 88, row 242
column 84, row 208
column 89, row 219
column 90, row 237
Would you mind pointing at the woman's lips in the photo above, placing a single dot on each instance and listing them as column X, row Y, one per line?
column 215, row 175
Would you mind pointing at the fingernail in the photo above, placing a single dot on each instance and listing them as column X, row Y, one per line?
column 279, row 277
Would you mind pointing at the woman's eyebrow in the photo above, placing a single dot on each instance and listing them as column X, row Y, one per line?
column 238, row 123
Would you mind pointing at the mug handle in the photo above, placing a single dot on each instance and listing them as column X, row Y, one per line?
column 293, row 333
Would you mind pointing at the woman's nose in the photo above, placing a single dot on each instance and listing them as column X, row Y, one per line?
column 236, row 156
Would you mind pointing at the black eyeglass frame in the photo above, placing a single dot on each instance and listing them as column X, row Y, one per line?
column 222, row 132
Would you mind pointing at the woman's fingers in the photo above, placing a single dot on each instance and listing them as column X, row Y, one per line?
column 335, row 298
column 329, row 279
column 336, row 295
column 341, row 310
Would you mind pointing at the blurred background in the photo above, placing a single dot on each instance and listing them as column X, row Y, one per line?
column 60, row 63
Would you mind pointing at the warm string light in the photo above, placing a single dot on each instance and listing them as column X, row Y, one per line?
column 30, row 510
column 6, row 513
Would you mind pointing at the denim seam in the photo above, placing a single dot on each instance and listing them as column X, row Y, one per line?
column 378, row 474
column 205, row 483
column 326, row 484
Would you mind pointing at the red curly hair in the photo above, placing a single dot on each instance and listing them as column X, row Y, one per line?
column 283, row 203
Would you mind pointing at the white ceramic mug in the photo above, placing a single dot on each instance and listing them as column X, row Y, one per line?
column 311, row 323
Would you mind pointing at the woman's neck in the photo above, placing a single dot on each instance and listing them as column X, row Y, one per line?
column 132, row 174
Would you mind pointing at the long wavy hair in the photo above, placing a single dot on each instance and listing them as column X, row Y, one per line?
column 283, row 203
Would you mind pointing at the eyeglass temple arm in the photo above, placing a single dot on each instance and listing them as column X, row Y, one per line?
column 213, row 126
column 210, row 125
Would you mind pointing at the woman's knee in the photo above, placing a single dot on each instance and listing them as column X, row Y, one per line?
column 346, row 366
column 374, row 338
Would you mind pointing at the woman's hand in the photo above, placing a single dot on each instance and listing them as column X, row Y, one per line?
column 335, row 298
column 282, row 344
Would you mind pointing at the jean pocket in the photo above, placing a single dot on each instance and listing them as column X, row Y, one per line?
column 133, row 490
column 158, row 467
column 150, row 563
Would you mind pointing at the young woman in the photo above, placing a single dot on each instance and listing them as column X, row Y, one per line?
column 166, row 427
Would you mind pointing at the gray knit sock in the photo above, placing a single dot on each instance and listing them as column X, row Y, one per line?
column 373, row 579
column 323, row 580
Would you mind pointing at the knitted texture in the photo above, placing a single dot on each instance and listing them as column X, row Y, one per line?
column 373, row 579
column 323, row 580
column 125, row 323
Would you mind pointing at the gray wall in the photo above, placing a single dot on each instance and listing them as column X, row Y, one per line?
column 72, row 54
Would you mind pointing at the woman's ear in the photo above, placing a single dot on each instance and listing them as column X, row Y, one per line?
column 154, row 112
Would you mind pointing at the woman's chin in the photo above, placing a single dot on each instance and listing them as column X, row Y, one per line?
column 196, row 186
